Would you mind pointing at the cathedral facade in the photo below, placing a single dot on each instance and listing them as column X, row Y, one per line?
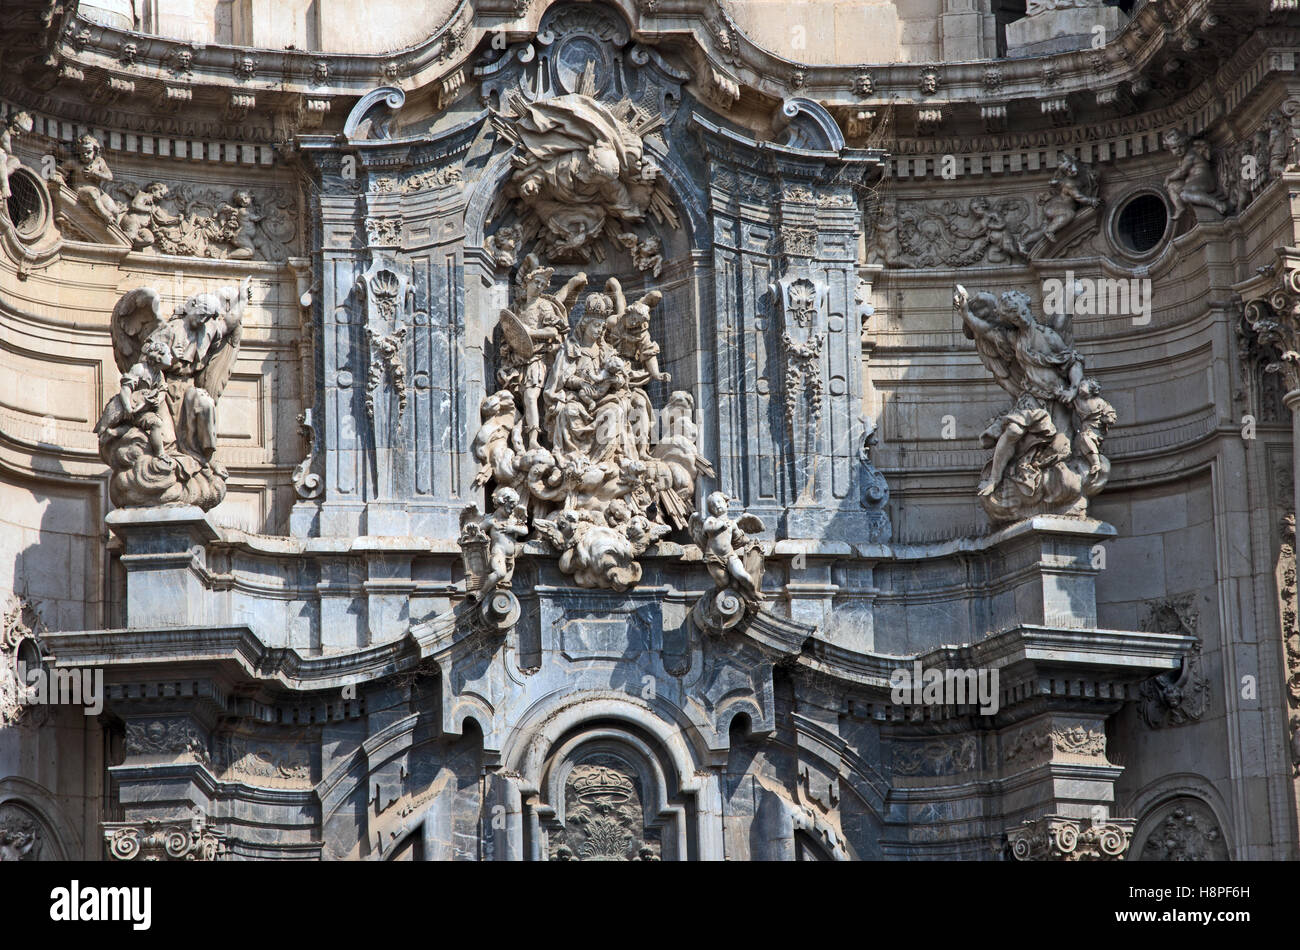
column 649, row 430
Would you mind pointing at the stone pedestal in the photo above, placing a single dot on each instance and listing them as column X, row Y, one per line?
column 1062, row 29
column 165, row 558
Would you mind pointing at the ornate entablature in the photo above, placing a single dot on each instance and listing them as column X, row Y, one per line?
column 593, row 436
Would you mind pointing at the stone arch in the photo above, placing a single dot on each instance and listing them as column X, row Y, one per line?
column 558, row 757
column 1181, row 818
column 27, row 809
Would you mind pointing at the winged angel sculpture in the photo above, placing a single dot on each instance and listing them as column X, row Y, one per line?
column 159, row 433
column 582, row 174
column 1047, row 446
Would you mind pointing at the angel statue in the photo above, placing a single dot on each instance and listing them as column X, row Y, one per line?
column 490, row 543
column 734, row 559
column 159, row 433
column 1047, row 446
column 580, row 166
column 533, row 335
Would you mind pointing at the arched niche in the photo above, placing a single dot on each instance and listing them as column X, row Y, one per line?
column 1179, row 828
column 608, row 794
column 32, row 826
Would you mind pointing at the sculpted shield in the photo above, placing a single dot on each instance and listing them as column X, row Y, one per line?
column 516, row 334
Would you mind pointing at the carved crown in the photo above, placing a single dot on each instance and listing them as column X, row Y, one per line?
column 594, row 783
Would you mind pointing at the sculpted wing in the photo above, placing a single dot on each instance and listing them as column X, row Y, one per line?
column 998, row 353
column 750, row 524
column 549, row 531
column 136, row 316
column 221, row 361
column 697, row 530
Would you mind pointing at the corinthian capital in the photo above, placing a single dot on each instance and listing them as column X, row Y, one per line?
column 1274, row 315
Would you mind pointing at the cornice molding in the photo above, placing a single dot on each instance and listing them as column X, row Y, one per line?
column 1163, row 50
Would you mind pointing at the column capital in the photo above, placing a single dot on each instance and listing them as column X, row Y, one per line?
column 1056, row 838
column 1272, row 309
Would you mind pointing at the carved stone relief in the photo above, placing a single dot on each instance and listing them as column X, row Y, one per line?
column 1182, row 830
column 604, row 815
column 936, row 757
column 952, row 232
column 573, row 432
column 1183, row 695
column 244, row 757
column 179, row 219
column 166, row 737
column 582, row 175
column 22, row 834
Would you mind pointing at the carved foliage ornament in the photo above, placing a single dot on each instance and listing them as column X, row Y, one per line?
column 18, row 643
column 1275, row 318
column 389, row 300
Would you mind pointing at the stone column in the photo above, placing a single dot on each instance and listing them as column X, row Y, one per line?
column 1273, row 312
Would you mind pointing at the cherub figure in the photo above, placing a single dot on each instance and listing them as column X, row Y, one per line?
column 145, row 214
column 1073, row 186
column 647, row 255
column 1095, row 417
column 503, row 527
column 236, row 229
column 86, row 173
column 733, row 558
column 1193, row 182
column 611, row 377
column 141, row 402
column 628, row 329
column 504, row 246
column 19, row 124
column 1002, row 244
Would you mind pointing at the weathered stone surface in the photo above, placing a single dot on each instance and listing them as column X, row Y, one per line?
column 599, row 450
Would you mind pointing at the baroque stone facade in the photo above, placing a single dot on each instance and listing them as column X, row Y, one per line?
column 558, row 439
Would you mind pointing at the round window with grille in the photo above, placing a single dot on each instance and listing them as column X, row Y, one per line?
column 1141, row 224
column 28, row 206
